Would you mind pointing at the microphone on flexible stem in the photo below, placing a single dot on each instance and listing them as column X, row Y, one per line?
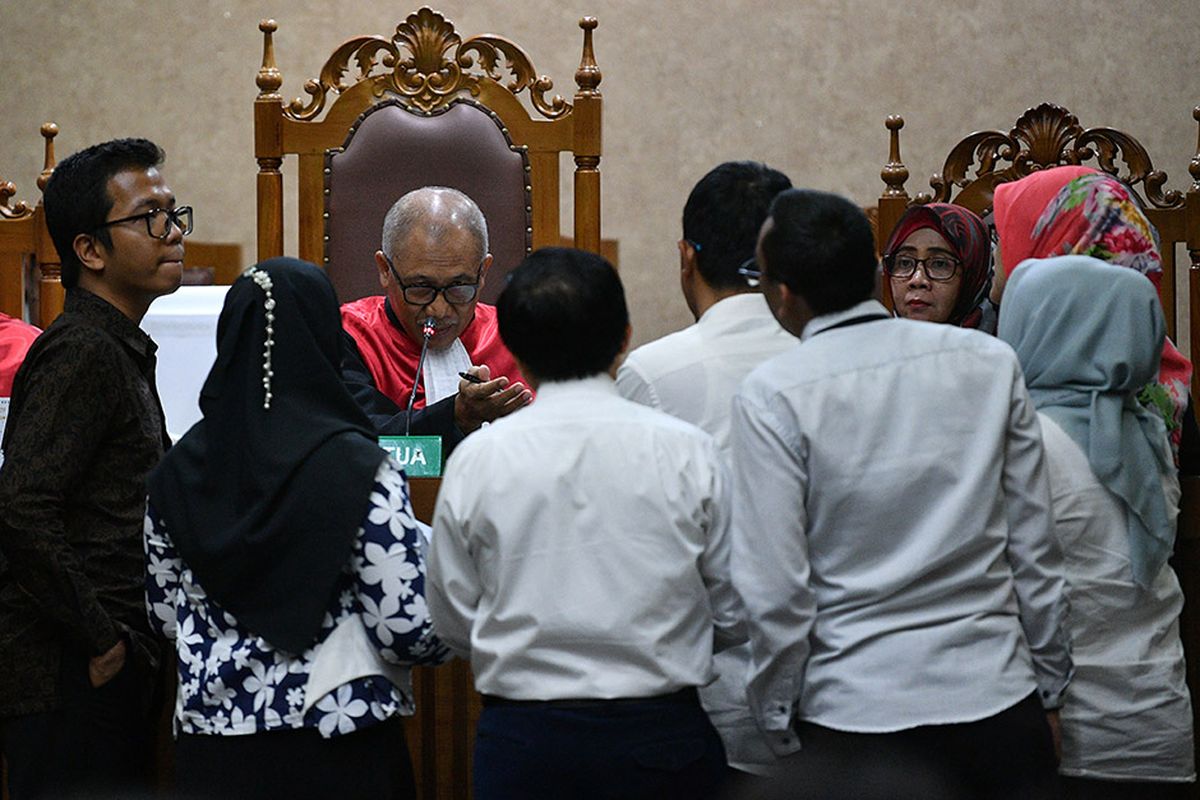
column 427, row 330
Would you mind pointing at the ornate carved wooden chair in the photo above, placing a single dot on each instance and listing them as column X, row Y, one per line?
column 26, row 250
column 386, row 115
column 423, row 107
column 1048, row 136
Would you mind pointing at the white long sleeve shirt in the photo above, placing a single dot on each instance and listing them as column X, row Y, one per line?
column 893, row 539
column 693, row 374
column 1126, row 715
column 580, row 550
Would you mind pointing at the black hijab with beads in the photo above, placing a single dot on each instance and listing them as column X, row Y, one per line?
column 263, row 503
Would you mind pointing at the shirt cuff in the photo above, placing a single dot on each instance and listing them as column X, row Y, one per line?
column 1052, row 697
column 777, row 727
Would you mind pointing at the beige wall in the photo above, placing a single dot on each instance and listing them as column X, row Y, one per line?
column 804, row 85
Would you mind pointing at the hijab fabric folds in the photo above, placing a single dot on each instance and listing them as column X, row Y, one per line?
column 1082, row 211
column 1089, row 335
column 968, row 236
column 263, row 504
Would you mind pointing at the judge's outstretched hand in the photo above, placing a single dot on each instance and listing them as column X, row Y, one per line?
column 477, row 403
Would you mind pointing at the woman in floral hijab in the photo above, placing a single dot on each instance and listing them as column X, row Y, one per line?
column 1081, row 211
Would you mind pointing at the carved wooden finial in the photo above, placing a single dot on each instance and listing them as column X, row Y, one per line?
column 1194, row 167
column 7, row 190
column 894, row 173
column 588, row 76
column 49, row 131
column 269, row 78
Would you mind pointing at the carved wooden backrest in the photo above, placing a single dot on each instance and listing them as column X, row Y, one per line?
column 1050, row 136
column 26, row 249
column 423, row 107
column 463, row 146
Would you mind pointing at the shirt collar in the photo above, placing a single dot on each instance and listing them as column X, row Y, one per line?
column 865, row 308
column 108, row 318
column 734, row 308
column 599, row 383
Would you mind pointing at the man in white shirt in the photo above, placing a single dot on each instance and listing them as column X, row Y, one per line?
column 693, row 373
column 893, row 538
column 580, row 561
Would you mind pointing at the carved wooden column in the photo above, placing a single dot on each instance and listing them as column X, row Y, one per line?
column 51, row 294
column 894, row 201
column 588, row 108
column 268, row 148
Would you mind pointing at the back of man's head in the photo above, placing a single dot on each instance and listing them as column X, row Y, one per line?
column 77, row 199
column 563, row 314
column 723, row 214
column 820, row 246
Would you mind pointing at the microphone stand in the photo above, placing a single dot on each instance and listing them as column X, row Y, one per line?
column 427, row 329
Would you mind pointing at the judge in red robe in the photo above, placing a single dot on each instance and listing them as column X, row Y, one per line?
column 433, row 262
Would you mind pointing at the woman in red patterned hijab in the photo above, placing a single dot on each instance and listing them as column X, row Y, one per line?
column 938, row 262
column 1082, row 211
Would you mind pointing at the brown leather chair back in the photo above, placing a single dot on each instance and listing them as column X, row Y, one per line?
column 390, row 151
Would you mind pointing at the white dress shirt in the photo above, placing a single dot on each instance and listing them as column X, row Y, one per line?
column 580, row 550
column 893, row 539
column 693, row 374
column 1127, row 715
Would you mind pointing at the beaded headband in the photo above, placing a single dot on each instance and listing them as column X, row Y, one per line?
column 263, row 280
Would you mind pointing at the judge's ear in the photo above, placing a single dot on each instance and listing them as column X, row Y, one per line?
column 385, row 272
column 483, row 271
column 91, row 252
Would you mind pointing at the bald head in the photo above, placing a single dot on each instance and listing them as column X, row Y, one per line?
column 438, row 213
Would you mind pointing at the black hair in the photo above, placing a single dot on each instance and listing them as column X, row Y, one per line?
column 563, row 314
column 723, row 215
column 820, row 245
column 76, row 198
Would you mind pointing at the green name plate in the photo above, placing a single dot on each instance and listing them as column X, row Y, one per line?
column 421, row 456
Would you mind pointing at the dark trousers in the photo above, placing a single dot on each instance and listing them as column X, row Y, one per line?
column 653, row 748
column 371, row 763
column 94, row 744
column 1088, row 789
column 1009, row 755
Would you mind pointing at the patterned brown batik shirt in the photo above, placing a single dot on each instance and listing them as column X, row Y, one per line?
column 85, row 426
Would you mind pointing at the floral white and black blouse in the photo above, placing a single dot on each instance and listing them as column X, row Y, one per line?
column 233, row 682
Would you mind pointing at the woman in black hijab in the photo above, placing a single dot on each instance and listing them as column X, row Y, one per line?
column 283, row 559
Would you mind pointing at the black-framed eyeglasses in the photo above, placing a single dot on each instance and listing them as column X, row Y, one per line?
column 420, row 294
column 160, row 220
column 750, row 272
column 938, row 267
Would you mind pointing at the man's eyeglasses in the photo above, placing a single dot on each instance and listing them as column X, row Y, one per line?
column 420, row 294
column 750, row 272
column 937, row 268
column 160, row 220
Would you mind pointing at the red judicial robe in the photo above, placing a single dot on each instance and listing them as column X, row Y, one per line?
column 391, row 356
column 15, row 338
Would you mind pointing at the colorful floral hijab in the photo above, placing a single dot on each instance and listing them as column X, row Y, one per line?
column 968, row 237
column 1081, row 211
column 1088, row 336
